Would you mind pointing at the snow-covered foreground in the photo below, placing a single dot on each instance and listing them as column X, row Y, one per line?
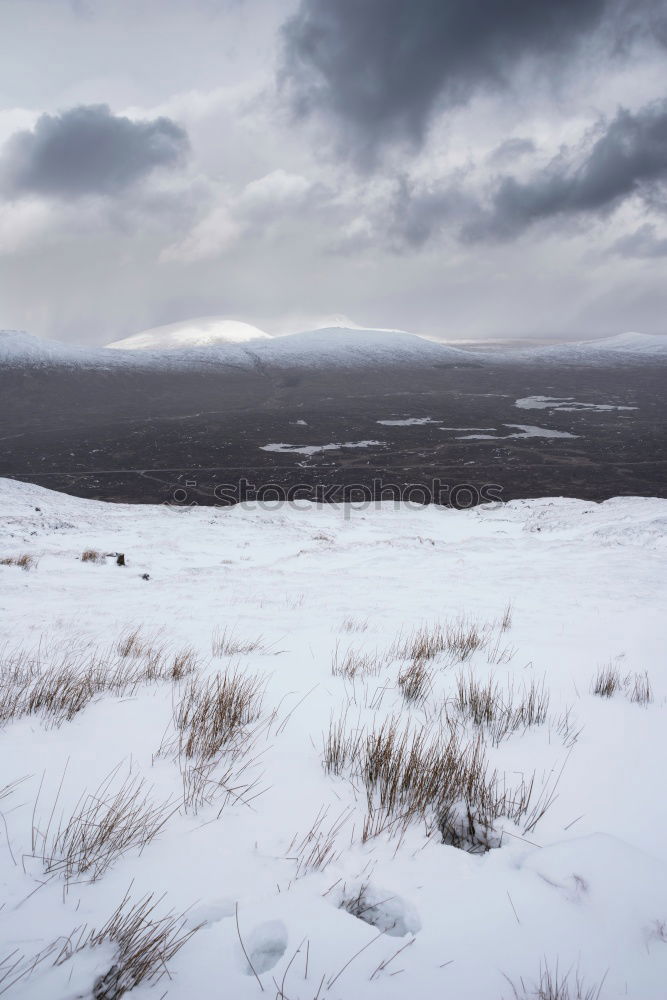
column 269, row 849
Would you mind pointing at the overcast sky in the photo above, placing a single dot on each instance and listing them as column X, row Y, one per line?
column 459, row 168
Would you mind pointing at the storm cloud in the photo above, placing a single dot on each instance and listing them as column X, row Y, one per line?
column 384, row 66
column 628, row 157
column 88, row 150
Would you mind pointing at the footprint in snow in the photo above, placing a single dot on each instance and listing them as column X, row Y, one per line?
column 380, row 908
column 212, row 912
column 265, row 946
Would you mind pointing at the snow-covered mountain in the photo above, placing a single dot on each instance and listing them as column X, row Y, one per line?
column 622, row 348
column 350, row 348
column 207, row 331
column 231, row 691
column 211, row 343
column 239, row 346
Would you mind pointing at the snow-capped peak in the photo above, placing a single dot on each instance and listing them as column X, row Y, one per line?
column 206, row 331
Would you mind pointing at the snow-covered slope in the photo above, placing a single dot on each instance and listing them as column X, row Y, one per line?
column 207, row 331
column 163, row 348
column 623, row 348
column 23, row 350
column 349, row 348
column 321, row 604
column 635, row 343
column 20, row 348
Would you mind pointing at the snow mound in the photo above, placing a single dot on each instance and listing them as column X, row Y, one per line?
column 622, row 348
column 206, row 331
column 210, row 342
column 645, row 343
column 350, row 348
column 19, row 347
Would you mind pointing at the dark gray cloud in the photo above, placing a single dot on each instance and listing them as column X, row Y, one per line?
column 628, row 156
column 88, row 150
column 511, row 149
column 384, row 66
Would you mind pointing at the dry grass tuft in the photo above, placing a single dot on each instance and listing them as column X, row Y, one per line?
column 93, row 556
column 352, row 624
column 506, row 620
column 104, row 825
column 144, row 944
column 318, row 847
column 214, row 711
column 416, row 682
column 607, row 681
column 500, row 713
column 420, row 774
column 216, row 724
column 356, row 663
column 24, row 561
column 227, row 643
column 57, row 684
column 639, row 689
column 132, row 643
column 554, row 985
column 458, row 640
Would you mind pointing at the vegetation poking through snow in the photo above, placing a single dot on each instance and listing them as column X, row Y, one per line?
column 636, row 686
column 357, row 663
column 92, row 555
column 24, row 561
column 214, row 735
column 56, row 683
column 428, row 774
column 500, row 712
column 607, row 681
column 225, row 642
column 318, row 847
column 144, row 943
column 352, row 624
column 104, row 825
column 555, row 985
column 416, row 682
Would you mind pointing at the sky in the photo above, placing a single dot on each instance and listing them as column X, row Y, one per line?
column 457, row 168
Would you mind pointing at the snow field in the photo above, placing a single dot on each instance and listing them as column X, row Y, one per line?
column 258, row 634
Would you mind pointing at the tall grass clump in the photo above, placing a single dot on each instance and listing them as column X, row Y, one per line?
column 356, row 663
column 57, row 683
column 458, row 640
column 416, row 682
column 225, row 642
column 554, row 985
column 410, row 774
column 104, row 825
column 144, row 943
column 500, row 712
column 607, row 681
column 216, row 723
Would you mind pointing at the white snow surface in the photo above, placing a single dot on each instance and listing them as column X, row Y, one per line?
column 524, row 431
column 566, row 404
column 206, row 331
column 622, row 348
column 314, row 449
column 212, row 341
column 335, row 347
column 586, row 888
column 408, row 422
